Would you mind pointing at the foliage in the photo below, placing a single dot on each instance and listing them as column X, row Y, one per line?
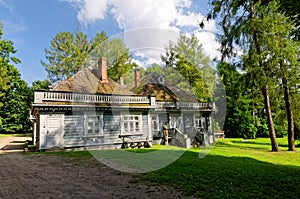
column 14, row 92
column 239, row 121
column 188, row 58
column 291, row 9
column 261, row 31
column 6, row 49
column 70, row 52
column 170, row 74
column 66, row 56
column 118, row 57
column 16, row 104
column 279, row 55
column 41, row 84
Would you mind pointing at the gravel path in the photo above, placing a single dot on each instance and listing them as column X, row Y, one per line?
column 49, row 176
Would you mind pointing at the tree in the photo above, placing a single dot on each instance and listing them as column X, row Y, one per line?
column 118, row 57
column 188, row 58
column 283, row 54
column 41, row 84
column 14, row 92
column 265, row 35
column 66, row 56
column 70, row 52
column 291, row 9
column 240, row 120
column 240, row 28
column 16, row 104
column 6, row 49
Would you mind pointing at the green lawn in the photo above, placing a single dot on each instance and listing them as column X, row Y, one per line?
column 16, row 135
column 234, row 168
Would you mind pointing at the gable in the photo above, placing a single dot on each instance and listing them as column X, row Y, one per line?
column 155, row 84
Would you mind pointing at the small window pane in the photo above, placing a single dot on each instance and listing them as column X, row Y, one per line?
column 131, row 126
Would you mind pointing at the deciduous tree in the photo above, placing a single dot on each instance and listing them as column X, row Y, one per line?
column 14, row 92
column 70, row 52
column 188, row 58
column 240, row 28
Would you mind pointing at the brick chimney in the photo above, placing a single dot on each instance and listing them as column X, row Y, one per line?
column 102, row 70
column 122, row 81
column 137, row 77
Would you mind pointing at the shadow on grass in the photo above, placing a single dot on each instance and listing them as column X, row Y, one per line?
column 12, row 147
column 218, row 176
column 249, row 144
column 214, row 176
column 255, row 142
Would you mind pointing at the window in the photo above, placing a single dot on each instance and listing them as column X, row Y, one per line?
column 198, row 122
column 131, row 124
column 175, row 122
column 154, row 122
column 93, row 125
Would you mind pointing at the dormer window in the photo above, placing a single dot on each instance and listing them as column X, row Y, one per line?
column 161, row 79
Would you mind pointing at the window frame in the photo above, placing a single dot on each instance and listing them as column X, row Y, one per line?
column 97, row 125
column 131, row 124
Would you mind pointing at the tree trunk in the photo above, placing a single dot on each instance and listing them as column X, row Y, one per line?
column 272, row 133
column 265, row 89
column 289, row 113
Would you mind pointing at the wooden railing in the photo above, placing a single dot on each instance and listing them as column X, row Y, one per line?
column 42, row 96
column 179, row 139
column 184, row 105
column 194, row 105
column 165, row 104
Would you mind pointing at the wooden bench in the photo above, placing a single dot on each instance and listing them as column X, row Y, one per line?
column 128, row 140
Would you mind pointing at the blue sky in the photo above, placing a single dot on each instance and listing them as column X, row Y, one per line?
column 32, row 24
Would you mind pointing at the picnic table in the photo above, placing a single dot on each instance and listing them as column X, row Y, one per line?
column 135, row 140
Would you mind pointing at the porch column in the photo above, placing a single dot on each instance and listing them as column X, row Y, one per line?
column 34, row 133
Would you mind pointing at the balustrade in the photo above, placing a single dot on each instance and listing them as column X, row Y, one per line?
column 184, row 105
column 41, row 96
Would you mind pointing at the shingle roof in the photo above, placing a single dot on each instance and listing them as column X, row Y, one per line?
column 155, row 84
column 87, row 81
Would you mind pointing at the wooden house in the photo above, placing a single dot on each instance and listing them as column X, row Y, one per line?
column 90, row 110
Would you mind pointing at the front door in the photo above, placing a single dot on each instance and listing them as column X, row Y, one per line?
column 54, row 132
column 188, row 120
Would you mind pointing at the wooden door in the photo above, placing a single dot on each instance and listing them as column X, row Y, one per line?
column 54, row 132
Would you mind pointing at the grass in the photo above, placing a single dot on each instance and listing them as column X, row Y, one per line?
column 16, row 135
column 234, row 168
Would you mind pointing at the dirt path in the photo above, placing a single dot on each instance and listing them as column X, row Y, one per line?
column 12, row 144
column 46, row 176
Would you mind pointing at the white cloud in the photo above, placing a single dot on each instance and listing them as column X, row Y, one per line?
column 92, row 11
column 146, row 57
column 193, row 19
column 89, row 11
column 149, row 24
column 130, row 14
column 209, row 43
column 146, row 13
column 13, row 28
column 144, row 38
